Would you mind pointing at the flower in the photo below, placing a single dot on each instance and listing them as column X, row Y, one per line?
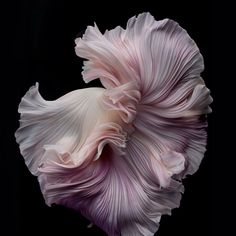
column 118, row 154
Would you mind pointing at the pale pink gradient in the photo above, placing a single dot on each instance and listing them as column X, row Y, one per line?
column 117, row 154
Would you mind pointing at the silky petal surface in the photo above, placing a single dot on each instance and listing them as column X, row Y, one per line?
column 118, row 154
column 65, row 122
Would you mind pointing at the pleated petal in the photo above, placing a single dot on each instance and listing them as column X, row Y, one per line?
column 165, row 63
column 45, row 123
column 118, row 154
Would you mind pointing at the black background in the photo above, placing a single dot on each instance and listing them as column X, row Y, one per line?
column 41, row 35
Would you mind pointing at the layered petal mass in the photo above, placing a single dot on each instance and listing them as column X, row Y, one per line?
column 117, row 154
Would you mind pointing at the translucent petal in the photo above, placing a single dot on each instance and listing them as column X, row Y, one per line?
column 65, row 122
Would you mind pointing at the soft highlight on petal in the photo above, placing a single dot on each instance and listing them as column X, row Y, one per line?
column 118, row 154
column 45, row 123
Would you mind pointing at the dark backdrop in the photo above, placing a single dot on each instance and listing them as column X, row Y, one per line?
column 42, row 37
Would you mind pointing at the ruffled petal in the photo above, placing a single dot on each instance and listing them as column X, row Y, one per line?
column 117, row 155
column 100, row 168
column 156, row 54
column 165, row 64
column 45, row 123
column 109, row 57
column 115, row 186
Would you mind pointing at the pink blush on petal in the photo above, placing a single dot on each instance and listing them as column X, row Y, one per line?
column 118, row 154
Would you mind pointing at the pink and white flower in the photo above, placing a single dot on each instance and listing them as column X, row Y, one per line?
column 117, row 154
